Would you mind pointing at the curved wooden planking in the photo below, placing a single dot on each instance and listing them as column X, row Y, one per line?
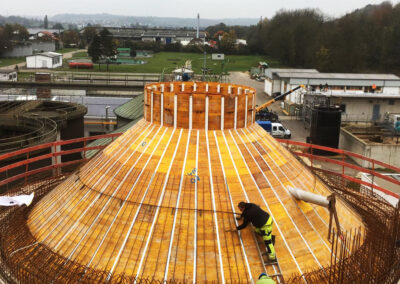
column 160, row 202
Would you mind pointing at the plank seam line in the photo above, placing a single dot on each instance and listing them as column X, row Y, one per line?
column 159, row 203
column 103, row 189
column 265, row 202
column 230, row 199
column 287, row 212
column 144, row 195
column 176, row 208
column 213, row 204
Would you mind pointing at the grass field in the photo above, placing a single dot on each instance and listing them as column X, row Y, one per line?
column 65, row 50
column 11, row 61
column 169, row 61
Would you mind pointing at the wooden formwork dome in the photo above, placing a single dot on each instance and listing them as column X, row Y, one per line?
column 158, row 202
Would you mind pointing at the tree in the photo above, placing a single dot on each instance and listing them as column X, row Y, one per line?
column 88, row 34
column 58, row 26
column 228, row 42
column 46, row 22
column 95, row 49
column 132, row 53
column 103, row 46
column 108, row 46
column 70, row 38
column 10, row 34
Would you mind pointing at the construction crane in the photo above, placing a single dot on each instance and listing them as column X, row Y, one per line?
column 277, row 98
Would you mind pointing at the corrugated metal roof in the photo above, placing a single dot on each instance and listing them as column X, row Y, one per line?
column 294, row 70
column 270, row 72
column 131, row 109
column 337, row 76
column 356, row 95
column 47, row 54
column 366, row 95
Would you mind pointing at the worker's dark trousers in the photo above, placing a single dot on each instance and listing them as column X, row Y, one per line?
column 266, row 232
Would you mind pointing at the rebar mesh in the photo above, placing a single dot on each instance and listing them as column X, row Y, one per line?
column 364, row 257
column 367, row 256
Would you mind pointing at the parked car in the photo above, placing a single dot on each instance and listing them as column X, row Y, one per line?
column 276, row 129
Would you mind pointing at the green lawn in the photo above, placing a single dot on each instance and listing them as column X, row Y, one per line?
column 80, row 55
column 11, row 61
column 65, row 50
column 168, row 61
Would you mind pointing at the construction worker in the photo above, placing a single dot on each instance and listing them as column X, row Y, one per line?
column 265, row 279
column 262, row 222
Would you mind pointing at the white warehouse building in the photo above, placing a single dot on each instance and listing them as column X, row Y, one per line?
column 362, row 97
column 49, row 60
column 274, row 83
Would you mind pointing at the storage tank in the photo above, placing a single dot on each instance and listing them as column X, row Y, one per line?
column 325, row 127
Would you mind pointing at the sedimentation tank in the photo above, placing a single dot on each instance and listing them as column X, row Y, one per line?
column 159, row 202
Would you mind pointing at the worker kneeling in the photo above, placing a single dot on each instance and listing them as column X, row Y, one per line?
column 262, row 222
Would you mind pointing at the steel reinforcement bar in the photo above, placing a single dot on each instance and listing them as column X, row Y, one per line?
column 361, row 257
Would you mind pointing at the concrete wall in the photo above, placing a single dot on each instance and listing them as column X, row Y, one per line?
column 361, row 109
column 276, row 86
column 273, row 86
column 268, row 86
column 391, row 90
column 387, row 153
column 30, row 47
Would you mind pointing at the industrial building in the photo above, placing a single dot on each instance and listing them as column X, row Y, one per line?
column 164, row 36
column 274, row 83
column 48, row 60
column 158, row 204
column 362, row 97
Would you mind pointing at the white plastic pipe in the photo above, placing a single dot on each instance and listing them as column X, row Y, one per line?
column 309, row 197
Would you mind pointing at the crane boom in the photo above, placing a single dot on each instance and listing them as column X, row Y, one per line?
column 264, row 105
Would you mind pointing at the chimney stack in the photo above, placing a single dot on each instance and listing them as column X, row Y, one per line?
column 198, row 25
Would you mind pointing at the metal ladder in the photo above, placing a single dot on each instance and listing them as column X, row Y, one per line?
column 262, row 253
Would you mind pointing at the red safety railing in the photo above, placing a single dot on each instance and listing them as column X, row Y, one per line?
column 27, row 156
column 306, row 150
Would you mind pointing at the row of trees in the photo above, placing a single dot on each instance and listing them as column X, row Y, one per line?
column 10, row 34
column 367, row 40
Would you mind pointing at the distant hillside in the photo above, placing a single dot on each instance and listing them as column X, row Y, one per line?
column 26, row 22
column 115, row 20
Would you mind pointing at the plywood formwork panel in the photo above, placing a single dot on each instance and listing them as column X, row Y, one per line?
column 159, row 202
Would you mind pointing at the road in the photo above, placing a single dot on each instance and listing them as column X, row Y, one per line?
column 299, row 133
column 22, row 65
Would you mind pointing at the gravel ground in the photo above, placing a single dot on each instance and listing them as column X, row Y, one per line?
column 299, row 133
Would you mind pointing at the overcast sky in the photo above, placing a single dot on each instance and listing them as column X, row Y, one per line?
column 212, row 9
